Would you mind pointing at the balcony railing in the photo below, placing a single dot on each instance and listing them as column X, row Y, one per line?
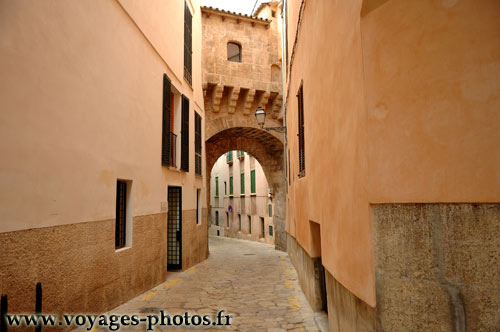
column 173, row 150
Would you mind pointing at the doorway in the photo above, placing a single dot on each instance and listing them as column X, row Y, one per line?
column 174, row 228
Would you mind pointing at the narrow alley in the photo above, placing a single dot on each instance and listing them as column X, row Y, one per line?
column 250, row 281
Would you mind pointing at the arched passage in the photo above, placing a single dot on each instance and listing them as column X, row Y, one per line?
column 268, row 150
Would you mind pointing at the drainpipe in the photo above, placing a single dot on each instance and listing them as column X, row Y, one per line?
column 283, row 78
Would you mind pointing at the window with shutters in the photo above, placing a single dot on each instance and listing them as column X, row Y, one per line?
column 242, row 183
column 231, row 186
column 216, row 186
column 169, row 139
column 123, row 223
column 302, row 158
column 234, row 52
column 197, row 144
column 270, row 210
column 229, row 157
column 185, row 134
column 252, row 181
column 188, row 41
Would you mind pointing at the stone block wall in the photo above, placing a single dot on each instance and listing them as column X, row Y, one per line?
column 437, row 267
column 194, row 238
column 78, row 266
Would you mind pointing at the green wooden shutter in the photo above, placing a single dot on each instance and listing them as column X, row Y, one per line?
column 242, row 183
column 252, row 181
column 230, row 185
column 270, row 210
column 216, row 186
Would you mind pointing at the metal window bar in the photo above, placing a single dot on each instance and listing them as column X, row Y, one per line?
column 174, row 228
column 121, row 214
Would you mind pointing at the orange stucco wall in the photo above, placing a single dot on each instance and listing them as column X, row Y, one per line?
column 333, row 192
column 433, row 101
column 401, row 105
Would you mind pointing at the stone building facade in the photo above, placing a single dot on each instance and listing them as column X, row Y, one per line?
column 102, row 139
column 392, row 137
column 242, row 71
column 241, row 202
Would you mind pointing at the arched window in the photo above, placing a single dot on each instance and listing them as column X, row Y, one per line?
column 234, row 52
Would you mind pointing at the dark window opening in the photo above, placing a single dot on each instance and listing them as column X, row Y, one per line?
column 233, row 52
column 262, row 228
column 249, row 224
column 239, row 219
column 227, row 218
column 270, row 230
column 216, row 218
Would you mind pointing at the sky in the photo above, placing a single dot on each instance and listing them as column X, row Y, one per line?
column 239, row 6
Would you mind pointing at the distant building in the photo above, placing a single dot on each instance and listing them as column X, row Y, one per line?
column 241, row 64
column 102, row 139
column 240, row 201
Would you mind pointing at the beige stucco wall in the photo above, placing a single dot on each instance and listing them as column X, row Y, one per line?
column 81, row 98
column 395, row 111
column 255, row 206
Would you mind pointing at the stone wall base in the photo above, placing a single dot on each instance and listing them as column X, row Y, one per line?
column 306, row 267
column 79, row 268
column 437, row 266
column 345, row 311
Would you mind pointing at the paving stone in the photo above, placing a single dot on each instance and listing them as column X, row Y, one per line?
column 255, row 290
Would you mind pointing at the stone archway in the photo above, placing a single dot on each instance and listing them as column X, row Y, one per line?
column 268, row 150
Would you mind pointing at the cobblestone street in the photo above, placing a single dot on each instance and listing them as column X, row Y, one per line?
column 251, row 281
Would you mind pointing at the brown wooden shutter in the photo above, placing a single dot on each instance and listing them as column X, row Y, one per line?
column 302, row 158
column 197, row 143
column 185, row 134
column 188, row 36
column 166, row 122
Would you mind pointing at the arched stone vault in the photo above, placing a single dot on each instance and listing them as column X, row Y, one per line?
column 268, row 150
